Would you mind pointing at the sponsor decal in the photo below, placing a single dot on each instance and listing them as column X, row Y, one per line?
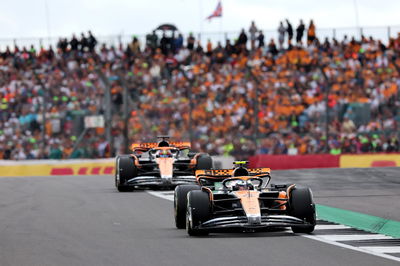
column 58, row 168
column 72, row 170
column 369, row 160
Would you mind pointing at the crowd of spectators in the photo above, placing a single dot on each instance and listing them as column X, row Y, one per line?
column 247, row 96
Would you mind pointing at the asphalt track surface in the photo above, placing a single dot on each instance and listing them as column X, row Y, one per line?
column 83, row 220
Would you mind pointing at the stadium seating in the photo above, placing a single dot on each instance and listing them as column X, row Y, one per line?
column 233, row 89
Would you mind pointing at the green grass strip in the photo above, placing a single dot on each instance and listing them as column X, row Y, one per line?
column 359, row 220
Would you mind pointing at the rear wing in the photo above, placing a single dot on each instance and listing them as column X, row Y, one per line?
column 220, row 173
column 145, row 146
column 225, row 173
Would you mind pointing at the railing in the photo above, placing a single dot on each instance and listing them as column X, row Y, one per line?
column 378, row 32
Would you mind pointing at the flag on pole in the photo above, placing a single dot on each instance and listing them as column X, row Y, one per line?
column 217, row 12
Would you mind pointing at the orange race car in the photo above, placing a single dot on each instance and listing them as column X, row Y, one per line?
column 161, row 164
column 239, row 198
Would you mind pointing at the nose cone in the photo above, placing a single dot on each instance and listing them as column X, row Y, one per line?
column 166, row 167
column 251, row 205
column 254, row 219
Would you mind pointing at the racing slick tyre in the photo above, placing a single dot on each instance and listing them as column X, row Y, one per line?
column 180, row 204
column 204, row 162
column 125, row 169
column 198, row 211
column 302, row 206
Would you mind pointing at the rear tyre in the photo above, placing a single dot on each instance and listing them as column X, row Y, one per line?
column 125, row 169
column 198, row 211
column 180, row 204
column 302, row 206
column 204, row 162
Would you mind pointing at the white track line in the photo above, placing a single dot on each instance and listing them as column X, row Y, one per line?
column 367, row 250
column 162, row 195
column 392, row 249
column 330, row 226
column 360, row 249
column 355, row 237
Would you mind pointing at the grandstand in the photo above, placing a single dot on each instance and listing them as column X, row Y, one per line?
column 326, row 95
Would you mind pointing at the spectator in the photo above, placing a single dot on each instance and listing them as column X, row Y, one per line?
column 91, row 42
column 281, row 35
column 272, row 48
column 164, row 44
column 190, row 41
column 83, row 43
column 179, row 42
column 242, row 40
column 260, row 39
column 55, row 152
column 311, row 33
column 134, row 46
column 289, row 30
column 253, row 31
column 152, row 41
column 62, row 45
column 74, row 43
column 299, row 32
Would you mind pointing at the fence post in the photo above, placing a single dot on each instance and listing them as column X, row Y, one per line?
column 119, row 39
column 107, row 107
column 388, row 33
column 334, row 33
column 256, row 105
column 192, row 82
column 43, row 105
column 361, row 32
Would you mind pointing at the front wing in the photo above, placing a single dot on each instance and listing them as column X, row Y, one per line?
column 156, row 181
column 243, row 222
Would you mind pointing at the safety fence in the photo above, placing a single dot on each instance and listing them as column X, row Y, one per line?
column 378, row 32
column 278, row 162
column 75, row 167
column 56, row 167
column 275, row 162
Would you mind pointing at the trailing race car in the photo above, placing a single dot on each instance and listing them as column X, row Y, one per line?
column 162, row 164
column 238, row 198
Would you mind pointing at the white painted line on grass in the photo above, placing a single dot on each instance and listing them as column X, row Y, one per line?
column 354, row 237
column 331, row 226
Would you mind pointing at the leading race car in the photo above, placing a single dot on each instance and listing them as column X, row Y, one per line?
column 162, row 164
column 240, row 198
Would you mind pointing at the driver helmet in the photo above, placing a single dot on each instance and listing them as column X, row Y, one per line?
column 243, row 185
column 165, row 153
column 240, row 185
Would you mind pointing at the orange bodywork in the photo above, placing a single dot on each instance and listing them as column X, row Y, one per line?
column 249, row 201
column 165, row 165
column 282, row 195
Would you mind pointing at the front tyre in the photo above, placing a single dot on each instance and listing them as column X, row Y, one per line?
column 198, row 211
column 125, row 169
column 180, row 204
column 302, row 206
